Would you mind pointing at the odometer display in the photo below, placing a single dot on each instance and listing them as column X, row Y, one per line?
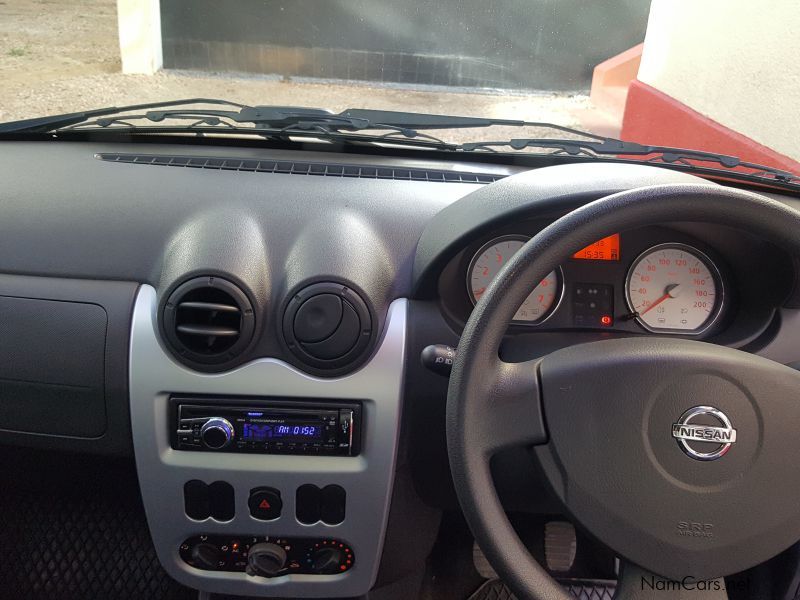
column 605, row 249
column 673, row 287
column 488, row 261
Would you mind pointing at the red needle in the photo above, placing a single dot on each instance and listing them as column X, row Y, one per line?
column 654, row 304
column 672, row 287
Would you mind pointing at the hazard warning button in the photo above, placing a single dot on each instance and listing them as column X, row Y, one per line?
column 265, row 503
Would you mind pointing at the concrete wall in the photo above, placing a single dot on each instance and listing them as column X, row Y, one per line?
column 517, row 44
column 733, row 61
column 139, row 23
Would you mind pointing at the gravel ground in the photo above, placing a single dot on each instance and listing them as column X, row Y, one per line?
column 62, row 55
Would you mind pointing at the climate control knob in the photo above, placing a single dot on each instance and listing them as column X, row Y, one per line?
column 327, row 561
column 216, row 433
column 266, row 559
column 205, row 555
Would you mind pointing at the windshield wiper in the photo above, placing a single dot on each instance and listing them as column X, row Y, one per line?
column 621, row 149
column 275, row 117
column 403, row 128
column 269, row 121
column 55, row 122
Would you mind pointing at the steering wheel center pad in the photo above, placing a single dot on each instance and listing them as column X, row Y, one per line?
column 612, row 458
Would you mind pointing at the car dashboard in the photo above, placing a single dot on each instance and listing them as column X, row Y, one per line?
column 247, row 324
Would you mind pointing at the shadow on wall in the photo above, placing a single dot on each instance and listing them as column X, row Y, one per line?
column 529, row 45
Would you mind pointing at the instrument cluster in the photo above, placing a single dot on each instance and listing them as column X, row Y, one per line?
column 669, row 287
column 692, row 280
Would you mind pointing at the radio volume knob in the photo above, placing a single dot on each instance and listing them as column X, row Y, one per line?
column 216, row 433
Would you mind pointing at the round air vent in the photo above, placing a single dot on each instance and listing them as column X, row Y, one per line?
column 208, row 321
column 327, row 326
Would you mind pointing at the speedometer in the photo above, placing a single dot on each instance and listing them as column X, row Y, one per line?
column 674, row 287
column 488, row 261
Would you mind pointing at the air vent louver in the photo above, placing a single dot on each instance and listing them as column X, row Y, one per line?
column 208, row 321
column 328, row 327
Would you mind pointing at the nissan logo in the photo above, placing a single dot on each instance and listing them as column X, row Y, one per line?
column 698, row 438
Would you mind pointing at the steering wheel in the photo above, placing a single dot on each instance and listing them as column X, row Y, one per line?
column 600, row 418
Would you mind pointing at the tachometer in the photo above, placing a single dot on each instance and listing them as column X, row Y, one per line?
column 674, row 287
column 488, row 261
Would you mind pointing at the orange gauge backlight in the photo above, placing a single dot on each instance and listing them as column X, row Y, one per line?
column 605, row 249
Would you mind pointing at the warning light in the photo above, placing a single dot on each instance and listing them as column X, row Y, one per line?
column 264, row 505
column 606, row 320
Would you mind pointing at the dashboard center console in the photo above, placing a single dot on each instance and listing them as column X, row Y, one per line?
column 265, row 480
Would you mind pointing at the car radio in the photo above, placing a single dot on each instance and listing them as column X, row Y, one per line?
column 267, row 427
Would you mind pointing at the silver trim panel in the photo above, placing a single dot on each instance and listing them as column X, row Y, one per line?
column 367, row 478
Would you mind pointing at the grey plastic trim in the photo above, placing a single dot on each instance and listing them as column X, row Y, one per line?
column 367, row 478
column 785, row 346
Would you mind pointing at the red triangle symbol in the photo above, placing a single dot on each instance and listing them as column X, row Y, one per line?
column 264, row 504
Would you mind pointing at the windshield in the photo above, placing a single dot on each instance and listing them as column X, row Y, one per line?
column 707, row 76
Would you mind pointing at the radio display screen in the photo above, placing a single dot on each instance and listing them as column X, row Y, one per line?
column 258, row 432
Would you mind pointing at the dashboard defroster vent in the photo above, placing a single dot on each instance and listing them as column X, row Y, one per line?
column 301, row 168
column 207, row 321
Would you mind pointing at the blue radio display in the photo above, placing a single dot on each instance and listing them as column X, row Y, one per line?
column 256, row 432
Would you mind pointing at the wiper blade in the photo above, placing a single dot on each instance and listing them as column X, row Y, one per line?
column 269, row 121
column 604, row 146
column 55, row 122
